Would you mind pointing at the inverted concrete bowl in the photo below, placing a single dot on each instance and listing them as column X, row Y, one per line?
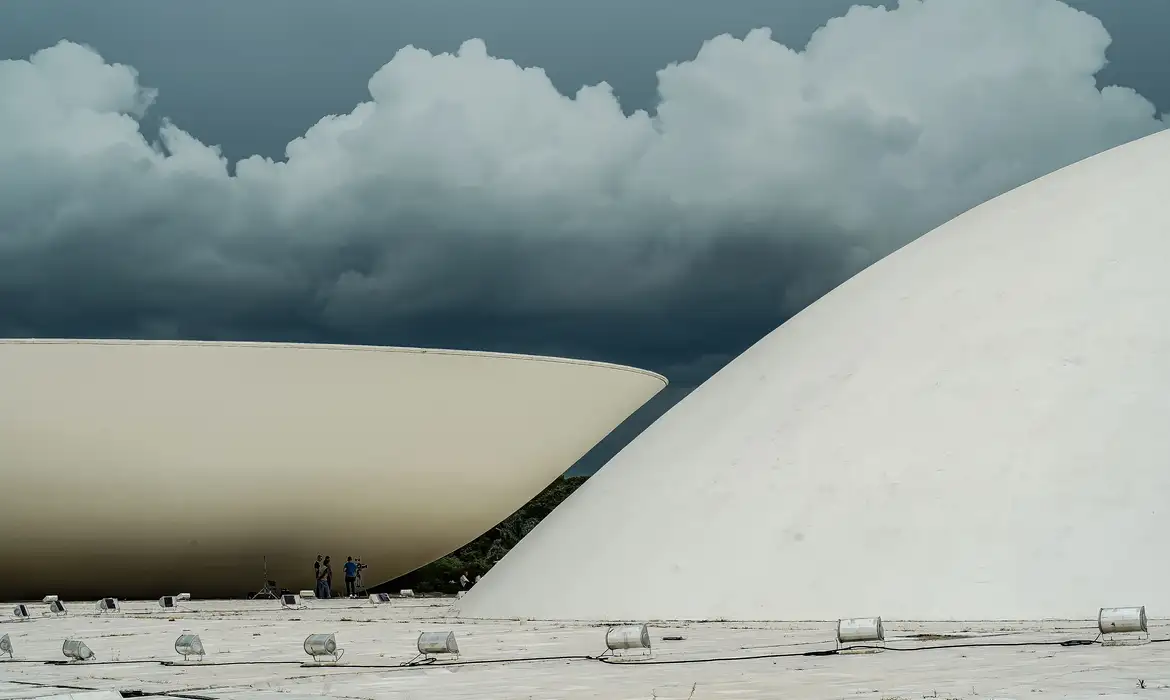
column 137, row 468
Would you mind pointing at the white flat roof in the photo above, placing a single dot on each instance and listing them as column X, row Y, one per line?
column 255, row 652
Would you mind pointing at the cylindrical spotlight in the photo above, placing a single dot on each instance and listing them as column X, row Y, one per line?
column 1122, row 620
column 76, row 650
column 189, row 645
column 861, row 629
column 6, row 646
column 437, row 643
column 628, row 637
column 317, row 645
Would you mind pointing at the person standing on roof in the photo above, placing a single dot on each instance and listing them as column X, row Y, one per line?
column 325, row 580
column 350, row 568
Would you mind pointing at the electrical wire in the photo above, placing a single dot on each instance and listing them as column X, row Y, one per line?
column 273, row 662
column 614, row 661
column 839, row 652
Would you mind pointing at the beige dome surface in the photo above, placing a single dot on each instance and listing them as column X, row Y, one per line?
column 140, row 468
column 975, row 427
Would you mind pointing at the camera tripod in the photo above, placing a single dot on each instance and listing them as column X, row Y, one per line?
column 269, row 589
column 359, row 588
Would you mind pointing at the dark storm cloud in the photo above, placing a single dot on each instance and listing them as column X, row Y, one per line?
column 468, row 202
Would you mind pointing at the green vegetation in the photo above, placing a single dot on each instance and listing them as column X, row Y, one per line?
column 476, row 557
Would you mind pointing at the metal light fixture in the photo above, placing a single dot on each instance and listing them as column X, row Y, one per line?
column 167, row 602
column 189, row 645
column 108, row 605
column 76, row 650
column 379, row 598
column 6, row 646
column 1124, row 621
column 21, row 612
column 860, row 629
column 628, row 637
column 56, row 607
column 431, row 644
column 323, row 645
column 290, row 601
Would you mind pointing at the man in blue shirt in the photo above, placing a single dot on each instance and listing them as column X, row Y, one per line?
column 350, row 576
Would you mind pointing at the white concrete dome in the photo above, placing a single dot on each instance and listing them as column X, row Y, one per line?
column 975, row 427
column 141, row 468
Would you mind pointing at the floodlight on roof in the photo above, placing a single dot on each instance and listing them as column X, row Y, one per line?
column 21, row 612
column 6, row 646
column 1119, row 620
column 437, row 643
column 290, row 601
column 1115, row 621
column 860, row 629
column 430, row 645
column 406, row 593
column 379, row 598
column 183, row 597
column 108, row 605
column 323, row 645
column 189, row 645
column 625, row 637
column 167, row 602
column 308, row 594
column 76, row 650
column 56, row 607
column 49, row 599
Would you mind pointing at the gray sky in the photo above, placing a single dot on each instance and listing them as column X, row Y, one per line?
column 509, row 218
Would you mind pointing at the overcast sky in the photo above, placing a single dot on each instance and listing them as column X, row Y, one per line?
column 371, row 193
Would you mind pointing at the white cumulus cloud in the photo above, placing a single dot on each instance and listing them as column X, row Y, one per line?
column 467, row 187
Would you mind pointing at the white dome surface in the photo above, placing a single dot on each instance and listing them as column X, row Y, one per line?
column 141, row 468
column 975, row 427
